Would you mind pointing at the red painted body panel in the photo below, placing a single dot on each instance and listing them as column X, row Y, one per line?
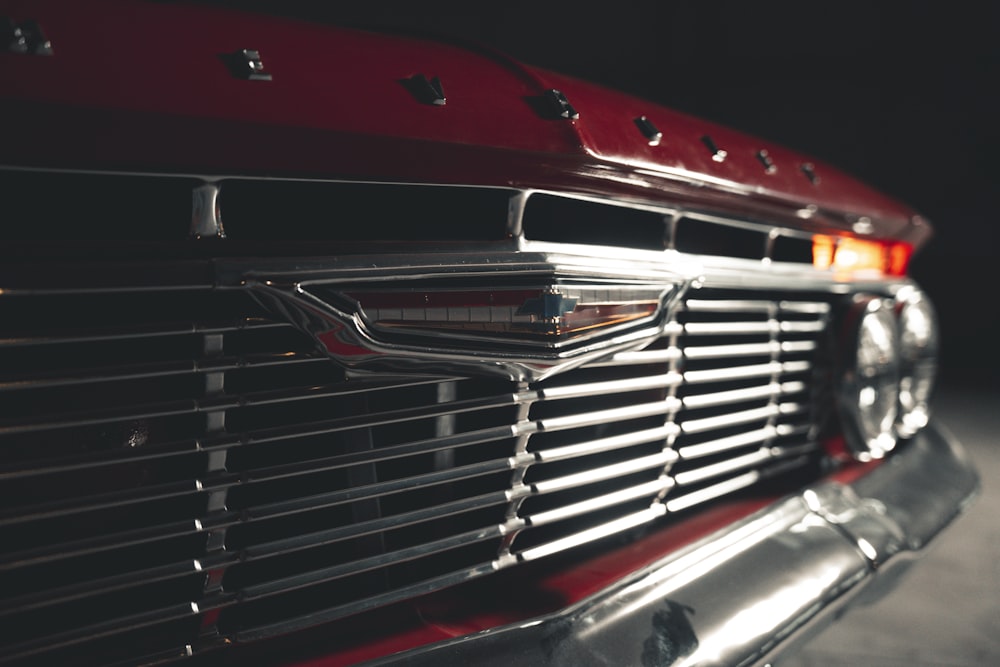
column 143, row 85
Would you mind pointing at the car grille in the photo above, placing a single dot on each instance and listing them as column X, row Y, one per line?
column 178, row 467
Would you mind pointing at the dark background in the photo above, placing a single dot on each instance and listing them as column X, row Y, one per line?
column 902, row 95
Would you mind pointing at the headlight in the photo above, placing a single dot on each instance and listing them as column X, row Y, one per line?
column 918, row 351
column 869, row 395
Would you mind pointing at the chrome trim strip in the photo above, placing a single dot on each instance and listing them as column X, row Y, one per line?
column 720, row 328
column 705, row 351
column 745, row 350
column 75, row 591
column 309, row 540
column 787, row 227
column 325, row 615
column 756, row 306
column 723, row 467
column 669, row 404
column 610, row 387
column 607, row 444
column 647, row 490
column 721, row 445
column 770, row 369
column 772, row 391
column 351, row 494
column 96, row 336
column 640, row 357
column 811, row 556
column 659, row 460
column 312, row 577
column 805, row 307
column 604, row 530
column 712, row 492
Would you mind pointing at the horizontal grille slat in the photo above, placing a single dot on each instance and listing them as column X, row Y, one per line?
column 118, row 334
column 746, row 372
column 755, row 306
column 647, row 490
column 660, row 433
column 613, row 387
column 748, row 350
column 773, row 390
column 115, row 626
column 725, row 467
column 605, row 472
column 105, row 543
column 741, row 417
column 382, row 454
column 76, row 420
column 593, row 534
column 733, row 442
column 601, row 416
column 32, row 468
column 64, row 594
column 376, row 490
column 99, row 502
column 97, row 376
column 308, row 540
column 688, row 500
column 323, row 575
column 333, row 613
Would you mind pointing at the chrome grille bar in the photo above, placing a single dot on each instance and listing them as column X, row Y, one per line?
column 446, row 484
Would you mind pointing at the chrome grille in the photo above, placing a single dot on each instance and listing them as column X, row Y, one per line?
column 719, row 403
column 178, row 468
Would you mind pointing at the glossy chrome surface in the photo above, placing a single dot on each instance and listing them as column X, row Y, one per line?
column 266, row 458
column 770, row 226
column 352, row 341
column 869, row 384
column 918, row 338
column 206, row 217
column 351, row 337
column 747, row 594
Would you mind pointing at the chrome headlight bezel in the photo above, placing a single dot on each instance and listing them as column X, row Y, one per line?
column 919, row 343
column 869, row 377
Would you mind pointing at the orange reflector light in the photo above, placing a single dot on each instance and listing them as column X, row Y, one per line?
column 853, row 255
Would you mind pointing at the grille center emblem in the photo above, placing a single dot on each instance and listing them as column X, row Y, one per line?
column 525, row 325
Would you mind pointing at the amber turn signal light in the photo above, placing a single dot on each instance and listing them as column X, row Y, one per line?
column 851, row 255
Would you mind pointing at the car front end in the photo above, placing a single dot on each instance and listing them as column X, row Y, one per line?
column 324, row 346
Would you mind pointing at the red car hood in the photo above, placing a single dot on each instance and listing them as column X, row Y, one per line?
column 146, row 86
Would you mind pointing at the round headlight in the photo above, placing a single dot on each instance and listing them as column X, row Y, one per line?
column 918, row 351
column 870, row 383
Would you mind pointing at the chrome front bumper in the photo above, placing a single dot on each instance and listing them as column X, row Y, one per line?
column 750, row 592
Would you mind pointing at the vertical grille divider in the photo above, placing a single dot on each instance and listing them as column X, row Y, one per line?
column 513, row 524
column 215, row 521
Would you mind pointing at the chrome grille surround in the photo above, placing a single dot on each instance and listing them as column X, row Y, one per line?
column 269, row 491
column 183, row 467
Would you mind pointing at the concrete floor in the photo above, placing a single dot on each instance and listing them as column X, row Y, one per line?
column 946, row 612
